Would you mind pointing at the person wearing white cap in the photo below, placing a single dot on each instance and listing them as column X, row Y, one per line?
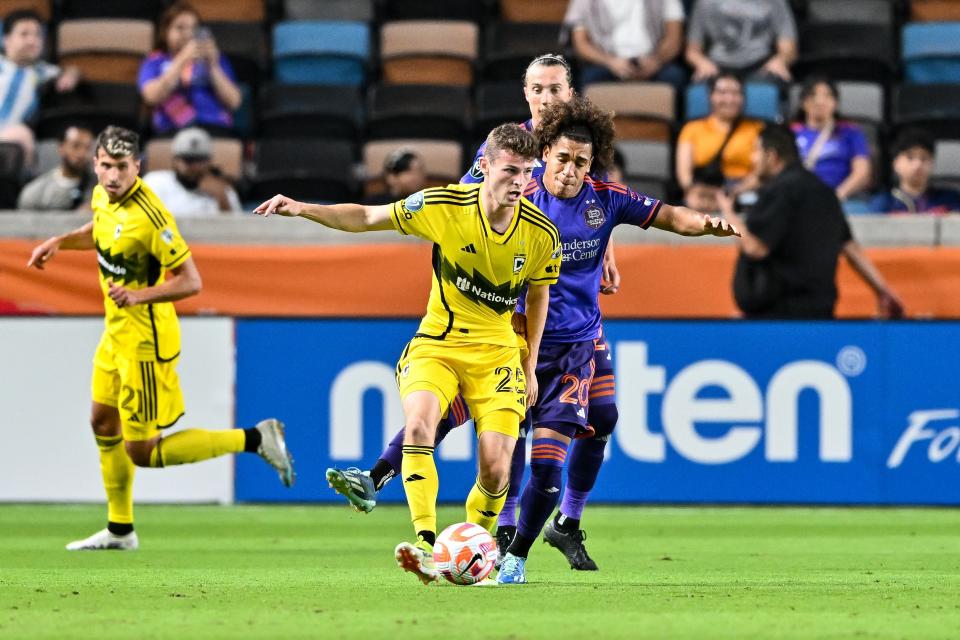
column 194, row 187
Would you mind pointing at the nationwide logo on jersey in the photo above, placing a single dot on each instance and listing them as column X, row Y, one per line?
column 518, row 261
column 594, row 216
column 500, row 298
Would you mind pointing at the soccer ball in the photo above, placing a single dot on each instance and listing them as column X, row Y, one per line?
column 464, row 553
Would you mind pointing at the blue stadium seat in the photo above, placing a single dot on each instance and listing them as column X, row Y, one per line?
column 762, row 101
column 321, row 52
column 931, row 52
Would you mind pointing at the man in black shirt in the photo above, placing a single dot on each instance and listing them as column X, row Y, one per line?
column 792, row 239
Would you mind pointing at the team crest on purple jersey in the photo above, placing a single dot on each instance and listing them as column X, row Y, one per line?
column 593, row 216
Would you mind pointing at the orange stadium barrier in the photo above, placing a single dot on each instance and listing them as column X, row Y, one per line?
column 392, row 280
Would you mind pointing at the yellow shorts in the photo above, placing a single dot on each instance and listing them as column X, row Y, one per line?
column 489, row 377
column 147, row 394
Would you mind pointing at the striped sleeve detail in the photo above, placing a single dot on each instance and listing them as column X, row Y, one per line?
column 396, row 218
column 152, row 212
column 179, row 260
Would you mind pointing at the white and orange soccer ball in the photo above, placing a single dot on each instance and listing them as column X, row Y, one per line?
column 464, row 553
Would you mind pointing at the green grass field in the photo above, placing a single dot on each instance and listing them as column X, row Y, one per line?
column 325, row 572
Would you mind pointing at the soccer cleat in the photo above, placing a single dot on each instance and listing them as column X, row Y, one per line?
column 418, row 560
column 513, row 570
column 570, row 545
column 354, row 485
column 504, row 538
column 104, row 540
column 273, row 449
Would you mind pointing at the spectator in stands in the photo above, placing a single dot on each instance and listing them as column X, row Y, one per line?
column 703, row 192
column 749, row 37
column 616, row 171
column 792, row 238
column 912, row 164
column 69, row 186
column 404, row 174
column 193, row 188
column 22, row 73
column 187, row 81
column 836, row 151
column 723, row 142
column 618, row 40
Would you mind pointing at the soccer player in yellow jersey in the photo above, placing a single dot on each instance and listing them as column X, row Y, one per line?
column 145, row 265
column 488, row 244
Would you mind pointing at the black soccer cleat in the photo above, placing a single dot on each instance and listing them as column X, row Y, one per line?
column 570, row 545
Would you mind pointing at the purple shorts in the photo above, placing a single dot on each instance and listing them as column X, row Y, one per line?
column 564, row 374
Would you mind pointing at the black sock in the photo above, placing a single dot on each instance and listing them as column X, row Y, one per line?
column 428, row 536
column 253, row 439
column 119, row 528
column 520, row 546
column 508, row 529
column 382, row 473
column 565, row 524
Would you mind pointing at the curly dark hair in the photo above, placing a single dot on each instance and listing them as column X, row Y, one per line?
column 579, row 120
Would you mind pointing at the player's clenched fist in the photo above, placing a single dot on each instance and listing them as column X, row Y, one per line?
column 280, row 205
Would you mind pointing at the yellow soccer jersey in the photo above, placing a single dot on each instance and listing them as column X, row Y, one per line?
column 479, row 274
column 137, row 240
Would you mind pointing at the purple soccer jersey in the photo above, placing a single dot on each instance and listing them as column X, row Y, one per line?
column 585, row 223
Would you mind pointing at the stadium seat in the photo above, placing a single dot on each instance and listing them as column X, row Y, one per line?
column 310, row 110
column 42, row 7
column 108, row 50
column 245, row 45
column 227, row 155
column 94, row 104
column 510, row 46
column 496, row 103
column 946, row 161
column 879, row 12
column 321, row 52
column 762, row 101
column 428, row 52
column 935, row 107
column 551, row 11
column 934, row 10
column 346, row 10
column 11, row 170
column 418, row 111
column 931, row 52
column 309, row 169
column 442, row 159
column 135, row 9
column 643, row 159
column 642, row 110
column 858, row 100
column 845, row 51
column 232, row 11
column 473, row 10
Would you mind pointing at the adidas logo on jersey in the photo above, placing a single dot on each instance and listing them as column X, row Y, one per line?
column 581, row 412
column 469, row 248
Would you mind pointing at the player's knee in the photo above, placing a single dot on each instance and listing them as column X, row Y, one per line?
column 495, row 475
column 419, row 431
column 104, row 426
column 603, row 418
column 139, row 453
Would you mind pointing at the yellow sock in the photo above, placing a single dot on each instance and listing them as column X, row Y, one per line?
column 484, row 506
column 117, row 471
column 421, row 483
column 194, row 445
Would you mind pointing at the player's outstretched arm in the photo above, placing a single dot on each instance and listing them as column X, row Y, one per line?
column 344, row 217
column 889, row 304
column 182, row 282
column 78, row 239
column 688, row 222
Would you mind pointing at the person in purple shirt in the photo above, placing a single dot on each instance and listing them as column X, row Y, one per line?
column 187, row 81
column 835, row 150
column 912, row 165
column 576, row 138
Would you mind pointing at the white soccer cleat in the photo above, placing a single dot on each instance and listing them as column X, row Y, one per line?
column 103, row 540
column 418, row 560
column 273, row 449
